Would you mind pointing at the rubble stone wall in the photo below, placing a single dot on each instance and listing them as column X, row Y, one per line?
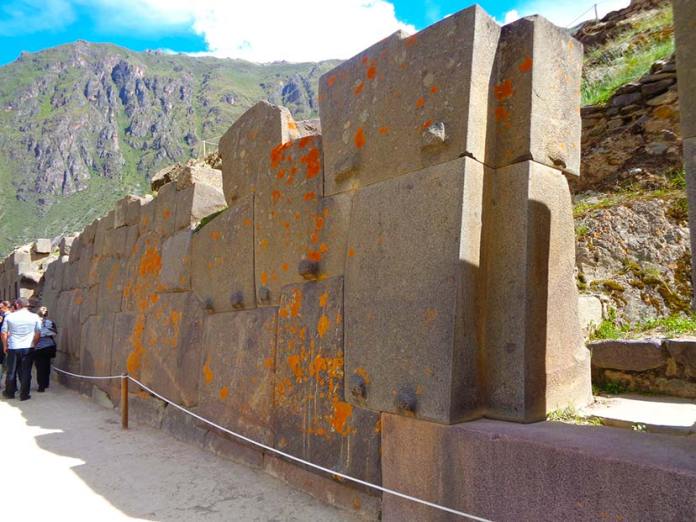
column 414, row 257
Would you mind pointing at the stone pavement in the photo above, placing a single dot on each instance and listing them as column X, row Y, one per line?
column 74, row 453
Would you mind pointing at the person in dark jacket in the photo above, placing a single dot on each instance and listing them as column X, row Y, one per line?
column 45, row 349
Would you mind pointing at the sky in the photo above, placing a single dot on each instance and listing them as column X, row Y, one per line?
column 255, row 30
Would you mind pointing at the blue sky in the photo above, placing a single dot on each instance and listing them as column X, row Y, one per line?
column 257, row 30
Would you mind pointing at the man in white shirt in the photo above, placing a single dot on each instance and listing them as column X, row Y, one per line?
column 20, row 332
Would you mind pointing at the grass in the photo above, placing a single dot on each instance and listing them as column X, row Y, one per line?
column 669, row 326
column 627, row 57
column 570, row 415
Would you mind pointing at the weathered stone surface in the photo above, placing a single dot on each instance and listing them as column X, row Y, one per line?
column 121, row 348
column 147, row 217
column 685, row 38
column 194, row 174
column 145, row 409
column 228, row 447
column 95, row 348
column 495, row 470
column 182, row 426
column 223, row 259
column 312, row 419
column 122, row 209
column 536, row 360
column 196, row 202
column 115, row 242
column 176, row 262
column 628, row 354
column 590, row 312
column 376, row 106
column 286, row 215
column 683, row 351
column 165, row 210
column 236, row 387
column 104, row 224
column 67, row 316
column 536, row 96
column 66, row 243
column 246, row 147
column 112, row 278
column 170, row 347
column 133, row 209
column 42, row 246
column 144, row 267
column 690, row 168
column 410, row 290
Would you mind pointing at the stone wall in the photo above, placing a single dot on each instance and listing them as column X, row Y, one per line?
column 414, row 257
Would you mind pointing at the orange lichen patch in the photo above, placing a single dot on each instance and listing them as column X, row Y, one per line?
column 430, row 316
column 314, row 237
column 166, row 213
column 351, row 252
column 664, row 112
column 306, row 140
column 362, row 372
column 295, row 304
column 323, row 248
column 526, row 64
column 410, row 41
column 378, row 426
column 384, row 131
column 427, row 123
column 276, row 195
column 434, row 89
column 503, row 90
column 154, row 298
column 264, row 278
column 151, row 263
column 283, row 312
column 501, row 114
column 372, row 72
column 175, row 318
column 292, row 125
column 207, row 373
column 277, row 154
column 342, row 411
column 331, row 80
column 323, row 325
column 263, row 243
column 309, row 196
column 364, row 60
column 314, row 255
column 360, row 138
column 420, row 102
column 280, row 174
column 318, row 222
column 79, row 299
column 224, row 392
column 295, row 366
column 312, row 161
column 135, row 358
column 248, row 222
column 359, row 88
column 268, row 362
column 324, row 299
column 285, row 267
column 215, row 235
column 357, row 504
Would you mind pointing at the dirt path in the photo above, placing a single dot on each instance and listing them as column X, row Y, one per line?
column 65, row 458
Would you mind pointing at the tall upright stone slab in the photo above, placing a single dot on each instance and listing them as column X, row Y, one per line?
column 247, row 146
column 411, row 293
column 685, row 39
column 409, row 102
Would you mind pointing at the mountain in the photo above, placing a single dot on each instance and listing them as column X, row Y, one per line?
column 83, row 124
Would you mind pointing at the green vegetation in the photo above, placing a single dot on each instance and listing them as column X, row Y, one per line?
column 628, row 57
column 614, row 328
column 570, row 415
column 208, row 219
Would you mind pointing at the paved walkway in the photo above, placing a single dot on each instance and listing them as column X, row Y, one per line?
column 70, row 461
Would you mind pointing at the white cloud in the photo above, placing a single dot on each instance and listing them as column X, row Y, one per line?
column 511, row 16
column 263, row 30
column 32, row 16
column 566, row 12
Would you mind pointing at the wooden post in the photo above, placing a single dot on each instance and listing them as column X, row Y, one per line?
column 124, row 401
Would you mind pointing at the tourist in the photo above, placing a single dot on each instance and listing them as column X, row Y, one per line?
column 4, row 310
column 20, row 332
column 45, row 349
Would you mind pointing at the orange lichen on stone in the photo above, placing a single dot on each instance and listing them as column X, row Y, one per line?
column 134, row 360
column 215, row 235
column 331, row 80
column 277, row 154
column 351, row 252
column 323, row 325
column 362, row 372
column 312, row 161
column 292, row 125
column 166, row 213
column 285, row 267
column 384, row 131
column 342, row 411
column 359, row 88
column 434, row 89
column 526, row 64
column 309, row 196
column 276, row 195
column 360, row 138
column 264, row 278
column 324, row 299
column 224, row 392
column 151, row 263
column 503, row 90
column 501, row 114
column 372, row 72
column 420, row 102
column 295, row 366
column 427, row 123
column 268, row 362
column 207, row 373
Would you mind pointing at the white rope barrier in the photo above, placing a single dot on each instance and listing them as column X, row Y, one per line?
column 92, row 377
column 283, row 454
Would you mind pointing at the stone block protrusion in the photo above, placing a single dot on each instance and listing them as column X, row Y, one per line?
column 533, row 103
column 42, row 246
column 631, row 355
column 196, row 202
column 409, row 102
column 249, row 146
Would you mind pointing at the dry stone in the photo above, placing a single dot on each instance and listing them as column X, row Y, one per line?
column 248, row 145
column 534, row 353
column 312, row 419
column 534, row 101
column 632, row 355
column 197, row 202
column 236, row 371
column 287, row 217
column 223, row 259
column 378, row 108
column 42, row 246
column 685, row 37
column 165, row 210
column 411, row 290
column 176, row 262
column 95, row 345
column 194, row 174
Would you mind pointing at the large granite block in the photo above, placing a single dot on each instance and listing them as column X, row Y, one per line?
column 67, row 317
column 312, row 419
column 411, row 293
column 171, row 343
column 197, row 202
column 95, row 349
column 407, row 103
column 287, row 218
column 685, row 40
column 144, row 267
column 496, row 470
column 112, row 279
column 536, row 360
column 176, row 262
column 146, row 217
column 165, row 210
column 247, row 146
column 236, row 371
column 222, row 273
column 534, row 107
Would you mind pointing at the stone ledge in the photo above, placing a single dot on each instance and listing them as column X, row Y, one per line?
column 628, row 354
